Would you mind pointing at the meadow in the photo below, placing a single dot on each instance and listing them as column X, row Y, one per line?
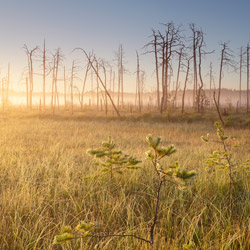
column 48, row 180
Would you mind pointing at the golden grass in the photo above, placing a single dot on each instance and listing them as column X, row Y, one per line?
column 44, row 183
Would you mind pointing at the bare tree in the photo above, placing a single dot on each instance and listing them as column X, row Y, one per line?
column 154, row 44
column 58, row 59
column 226, row 60
column 73, row 68
column 195, row 41
column 201, row 53
column 138, row 82
column 180, row 55
column 211, row 79
column 169, row 44
column 91, row 60
column 105, row 83
column 84, row 83
column 185, row 85
column 30, row 54
column 241, row 61
column 8, row 85
column 248, row 78
column 65, row 87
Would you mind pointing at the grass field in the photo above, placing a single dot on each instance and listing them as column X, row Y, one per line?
column 47, row 180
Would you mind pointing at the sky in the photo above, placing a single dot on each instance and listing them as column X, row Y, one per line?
column 101, row 25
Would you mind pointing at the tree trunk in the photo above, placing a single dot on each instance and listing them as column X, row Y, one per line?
column 184, row 88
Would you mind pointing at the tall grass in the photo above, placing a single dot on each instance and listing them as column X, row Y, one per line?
column 47, row 179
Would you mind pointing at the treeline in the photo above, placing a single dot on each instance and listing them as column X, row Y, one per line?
column 173, row 52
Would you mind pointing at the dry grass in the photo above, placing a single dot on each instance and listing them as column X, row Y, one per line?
column 44, row 183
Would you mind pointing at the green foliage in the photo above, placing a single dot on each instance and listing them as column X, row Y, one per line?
column 112, row 160
column 158, row 152
column 63, row 238
column 82, row 230
column 223, row 158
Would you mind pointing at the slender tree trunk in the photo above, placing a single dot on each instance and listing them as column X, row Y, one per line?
column 119, row 80
column 84, row 84
column 163, row 75
column 53, row 83
column 157, row 71
column 114, row 85
column 240, row 76
column 8, row 86
column 92, row 87
column 199, row 102
column 248, row 78
column 166, row 80
column 31, row 80
column 210, row 84
column 65, row 88
column 178, row 74
column 220, row 76
column 138, row 82
column 97, row 86
column 27, row 92
column 44, row 75
column 71, row 87
column 184, row 88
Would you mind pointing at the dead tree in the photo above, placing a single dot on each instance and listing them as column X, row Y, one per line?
column 195, row 41
column 169, row 44
column 180, row 55
column 138, row 82
column 53, row 79
column 154, row 44
column 91, row 60
column 97, row 85
column 226, row 60
column 248, row 78
column 105, row 83
column 201, row 53
column 241, row 61
column 65, row 88
column 58, row 59
column 185, row 85
column 84, row 83
column 8, row 85
column 211, row 79
column 72, row 86
column 30, row 54
column 27, row 91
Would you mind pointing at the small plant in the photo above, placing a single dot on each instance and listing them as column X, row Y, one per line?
column 223, row 158
column 111, row 159
column 171, row 173
column 115, row 160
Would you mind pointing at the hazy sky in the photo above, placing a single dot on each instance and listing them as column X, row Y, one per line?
column 102, row 24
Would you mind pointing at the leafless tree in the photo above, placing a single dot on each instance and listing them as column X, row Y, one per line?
column 91, row 59
column 195, row 41
column 241, row 61
column 84, row 83
column 248, row 78
column 185, row 84
column 226, row 60
column 73, row 69
column 155, row 45
column 138, row 83
column 201, row 53
column 30, row 54
column 169, row 44
column 180, row 55
column 65, row 87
